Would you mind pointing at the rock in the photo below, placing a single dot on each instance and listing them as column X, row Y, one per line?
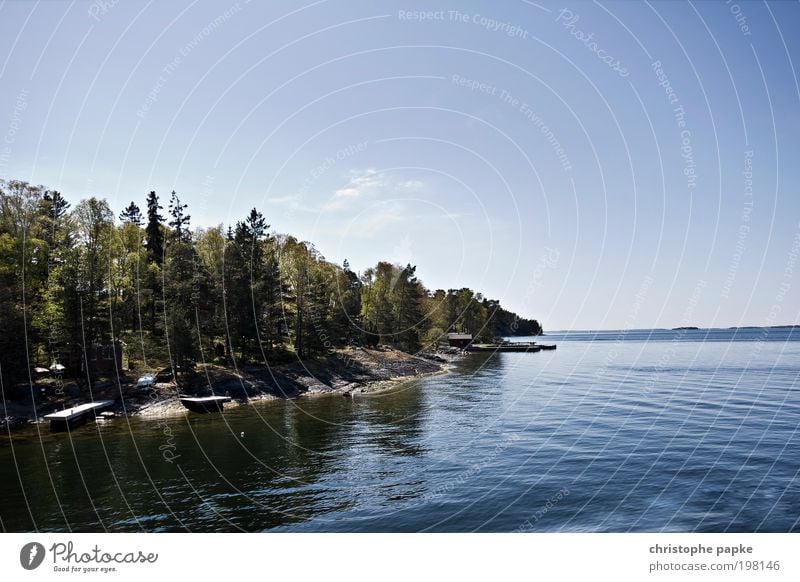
column 13, row 422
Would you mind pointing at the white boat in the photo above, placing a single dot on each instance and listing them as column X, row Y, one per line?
column 146, row 381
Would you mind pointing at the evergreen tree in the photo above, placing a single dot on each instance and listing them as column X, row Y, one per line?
column 69, row 277
column 271, row 292
column 211, row 247
column 154, row 230
column 59, row 232
column 253, row 287
column 180, row 220
column 185, row 294
column 152, row 276
column 236, row 296
column 131, row 215
column 53, row 211
column 346, row 325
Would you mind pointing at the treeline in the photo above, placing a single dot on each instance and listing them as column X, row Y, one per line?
column 80, row 276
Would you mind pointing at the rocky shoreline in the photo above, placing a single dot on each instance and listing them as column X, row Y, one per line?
column 347, row 372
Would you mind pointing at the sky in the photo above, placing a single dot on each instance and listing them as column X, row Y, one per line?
column 593, row 165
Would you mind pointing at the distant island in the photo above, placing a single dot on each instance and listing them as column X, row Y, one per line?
column 99, row 297
column 766, row 327
column 689, row 328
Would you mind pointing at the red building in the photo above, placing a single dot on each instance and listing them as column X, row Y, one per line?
column 459, row 340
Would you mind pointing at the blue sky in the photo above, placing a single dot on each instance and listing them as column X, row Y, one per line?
column 594, row 165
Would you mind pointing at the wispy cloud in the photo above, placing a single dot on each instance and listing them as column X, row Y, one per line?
column 411, row 185
column 347, row 193
column 367, row 185
column 365, row 177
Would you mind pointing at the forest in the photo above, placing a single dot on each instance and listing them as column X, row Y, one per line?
column 77, row 276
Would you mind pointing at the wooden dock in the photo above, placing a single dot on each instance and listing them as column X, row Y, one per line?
column 519, row 347
column 71, row 417
column 205, row 403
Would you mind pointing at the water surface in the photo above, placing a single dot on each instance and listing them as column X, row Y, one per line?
column 614, row 431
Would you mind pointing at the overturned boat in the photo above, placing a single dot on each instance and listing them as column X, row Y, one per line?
column 205, row 404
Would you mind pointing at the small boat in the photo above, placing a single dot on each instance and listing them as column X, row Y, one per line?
column 547, row 346
column 204, row 404
column 146, row 382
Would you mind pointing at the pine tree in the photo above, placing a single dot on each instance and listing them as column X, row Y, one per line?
column 66, row 277
column 236, row 295
column 253, row 287
column 180, row 220
column 153, row 231
column 53, row 211
column 58, row 230
column 131, row 215
column 185, row 297
column 346, row 319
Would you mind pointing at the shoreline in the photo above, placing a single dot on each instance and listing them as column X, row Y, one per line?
column 348, row 372
column 380, row 386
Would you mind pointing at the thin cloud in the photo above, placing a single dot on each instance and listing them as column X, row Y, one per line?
column 347, row 193
column 411, row 185
column 367, row 184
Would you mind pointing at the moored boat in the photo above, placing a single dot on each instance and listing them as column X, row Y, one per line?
column 205, row 404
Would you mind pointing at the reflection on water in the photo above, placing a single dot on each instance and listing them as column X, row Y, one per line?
column 704, row 440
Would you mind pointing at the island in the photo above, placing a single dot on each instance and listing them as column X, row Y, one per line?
column 142, row 309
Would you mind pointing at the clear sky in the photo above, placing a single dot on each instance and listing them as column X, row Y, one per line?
column 594, row 165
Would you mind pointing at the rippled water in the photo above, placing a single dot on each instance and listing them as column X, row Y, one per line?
column 633, row 431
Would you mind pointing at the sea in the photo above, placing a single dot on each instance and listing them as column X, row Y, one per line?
column 614, row 431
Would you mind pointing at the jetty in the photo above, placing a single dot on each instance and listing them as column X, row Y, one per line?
column 69, row 418
column 519, row 347
column 205, row 403
column 504, row 347
column 464, row 341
